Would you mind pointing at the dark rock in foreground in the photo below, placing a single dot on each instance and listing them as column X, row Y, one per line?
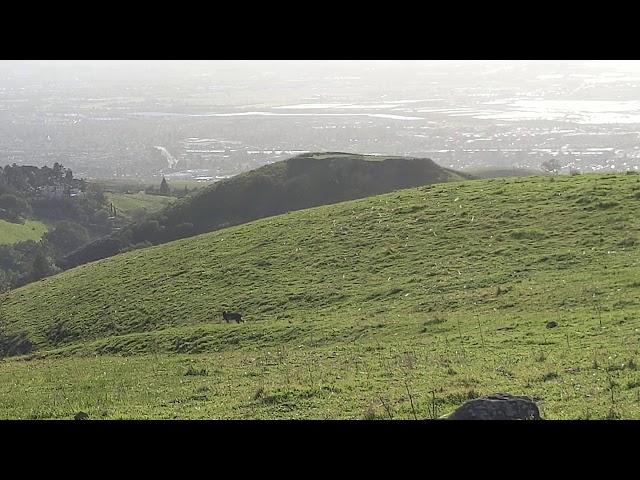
column 499, row 406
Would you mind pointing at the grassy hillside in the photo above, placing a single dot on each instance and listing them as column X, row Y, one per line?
column 16, row 232
column 300, row 182
column 403, row 305
column 128, row 204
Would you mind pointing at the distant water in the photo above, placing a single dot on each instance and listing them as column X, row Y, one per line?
column 597, row 112
column 275, row 114
column 577, row 111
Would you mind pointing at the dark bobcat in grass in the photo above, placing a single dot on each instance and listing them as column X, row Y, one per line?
column 232, row 316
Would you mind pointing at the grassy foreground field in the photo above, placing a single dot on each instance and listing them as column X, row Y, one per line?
column 16, row 232
column 402, row 305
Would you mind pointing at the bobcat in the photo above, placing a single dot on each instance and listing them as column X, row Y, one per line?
column 232, row 316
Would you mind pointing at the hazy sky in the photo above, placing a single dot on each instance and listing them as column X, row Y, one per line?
column 390, row 75
column 140, row 67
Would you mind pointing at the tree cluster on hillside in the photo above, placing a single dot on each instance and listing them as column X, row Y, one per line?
column 43, row 192
column 25, row 262
column 164, row 187
column 13, row 208
column 29, row 261
column 27, row 179
column 75, row 211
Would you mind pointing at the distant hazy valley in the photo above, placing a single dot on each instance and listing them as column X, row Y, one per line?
column 210, row 123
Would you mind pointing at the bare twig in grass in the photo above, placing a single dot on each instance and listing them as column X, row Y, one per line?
column 433, row 406
column 613, row 414
column 461, row 340
column 598, row 309
column 611, row 390
column 310, row 375
column 386, row 407
column 481, row 335
column 406, row 384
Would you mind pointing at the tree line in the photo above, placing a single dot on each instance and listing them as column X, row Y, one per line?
column 74, row 210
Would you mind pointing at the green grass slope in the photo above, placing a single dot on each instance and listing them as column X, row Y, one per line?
column 401, row 305
column 127, row 204
column 304, row 181
column 16, row 232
